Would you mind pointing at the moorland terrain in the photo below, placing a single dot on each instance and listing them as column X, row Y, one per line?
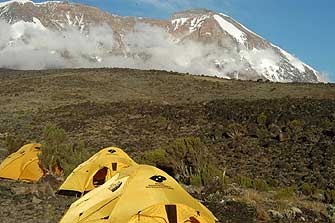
column 273, row 142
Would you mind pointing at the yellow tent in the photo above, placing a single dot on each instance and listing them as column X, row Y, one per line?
column 138, row 194
column 23, row 164
column 95, row 171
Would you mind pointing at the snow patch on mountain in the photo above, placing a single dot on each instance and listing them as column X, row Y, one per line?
column 265, row 62
column 231, row 29
column 301, row 66
column 75, row 21
column 294, row 61
column 177, row 23
column 245, row 28
column 197, row 22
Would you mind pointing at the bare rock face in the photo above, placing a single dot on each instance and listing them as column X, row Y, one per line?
column 222, row 46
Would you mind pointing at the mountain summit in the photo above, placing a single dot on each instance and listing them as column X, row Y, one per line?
column 58, row 34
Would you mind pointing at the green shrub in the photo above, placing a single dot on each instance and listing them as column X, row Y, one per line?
column 13, row 143
column 329, row 196
column 196, row 180
column 261, row 185
column 217, row 135
column 236, row 130
column 285, row 193
column 261, row 119
column 189, row 159
column 326, row 124
column 57, row 150
column 308, row 189
column 256, row 184
column 296, row 129
column 274, row 130
column 188, row 156
column 153, row 157
column 211, row 173
column 162, row 121
column 262, row 133
column 296, row 126
column 272, row 182
column 245, row 182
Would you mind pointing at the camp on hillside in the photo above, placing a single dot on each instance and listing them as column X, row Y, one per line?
column 95, row 171
column 139, row 194
column 23, row 165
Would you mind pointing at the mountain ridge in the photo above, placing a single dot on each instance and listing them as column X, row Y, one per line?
column 225, row 48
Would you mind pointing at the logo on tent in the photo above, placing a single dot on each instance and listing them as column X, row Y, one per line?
column 158, row 178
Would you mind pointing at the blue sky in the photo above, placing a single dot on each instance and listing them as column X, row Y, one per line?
column 305, row 28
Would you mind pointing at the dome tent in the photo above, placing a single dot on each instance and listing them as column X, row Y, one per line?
column 95, row 171
column 23, row 165
column 139, row 193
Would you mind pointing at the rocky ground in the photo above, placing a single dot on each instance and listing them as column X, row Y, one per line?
column 269, row 137
column 22, row 202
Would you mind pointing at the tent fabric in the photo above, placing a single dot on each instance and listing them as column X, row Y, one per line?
column 95, row 171
column 141, row 194
column 23, row 164
column 160, row 214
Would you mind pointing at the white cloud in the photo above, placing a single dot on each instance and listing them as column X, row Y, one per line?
column 147, row 47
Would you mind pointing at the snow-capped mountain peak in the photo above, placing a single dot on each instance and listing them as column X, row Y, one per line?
column 197, row 41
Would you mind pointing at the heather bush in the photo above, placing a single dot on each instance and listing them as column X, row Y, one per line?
column 188, row 160
column 59, row 151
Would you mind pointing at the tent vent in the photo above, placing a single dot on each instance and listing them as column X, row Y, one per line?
column 171, row 211
column 113, row 188
column 114, row 166
column 194, row 220
column 112, row 151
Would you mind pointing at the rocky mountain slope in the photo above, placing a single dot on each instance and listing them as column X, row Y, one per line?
column 61, row 34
